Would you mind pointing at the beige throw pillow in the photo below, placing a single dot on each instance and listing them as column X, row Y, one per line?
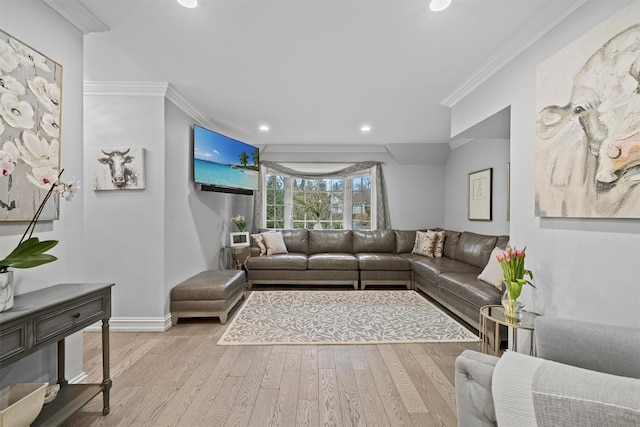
column 260, row 243
column 274, row 243
column 425, row 243
column 492, row 272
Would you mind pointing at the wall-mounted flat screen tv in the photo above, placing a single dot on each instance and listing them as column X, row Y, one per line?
column 224, row 164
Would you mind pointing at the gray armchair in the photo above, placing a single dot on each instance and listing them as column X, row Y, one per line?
column 585, row 374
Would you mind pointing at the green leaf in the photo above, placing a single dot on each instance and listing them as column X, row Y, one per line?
column 30, row 253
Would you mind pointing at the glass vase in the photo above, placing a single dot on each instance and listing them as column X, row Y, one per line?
column 512, row 308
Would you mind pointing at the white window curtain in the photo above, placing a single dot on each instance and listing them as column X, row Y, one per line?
column 383, row 220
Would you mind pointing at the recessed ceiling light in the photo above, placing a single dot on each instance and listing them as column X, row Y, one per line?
column 365, row 128
column 438, row 5
column 264, row 128
column 188, row 3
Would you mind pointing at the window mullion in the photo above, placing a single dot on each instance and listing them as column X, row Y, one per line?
column 348, row 205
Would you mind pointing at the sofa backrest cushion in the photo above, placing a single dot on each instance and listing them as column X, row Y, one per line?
column 475, row 249
column 451, row 239
column 374, row 241
column 502, row 242
column 321, row 241
column 405, row 240
column 296, row 240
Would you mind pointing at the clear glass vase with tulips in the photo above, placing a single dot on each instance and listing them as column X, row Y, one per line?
column 514, row 272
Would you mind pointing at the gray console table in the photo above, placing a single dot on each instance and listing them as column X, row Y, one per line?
column 46, row 316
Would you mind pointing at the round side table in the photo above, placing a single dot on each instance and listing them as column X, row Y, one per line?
column 495, row 314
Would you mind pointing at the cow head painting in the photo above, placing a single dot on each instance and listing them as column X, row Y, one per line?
column 588, row 150
column 122, row 169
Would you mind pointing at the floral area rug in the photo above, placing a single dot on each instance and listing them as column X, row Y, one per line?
column 340, row 317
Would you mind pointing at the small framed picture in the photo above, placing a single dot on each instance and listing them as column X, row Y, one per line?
column 239, row 239
column 480, row 190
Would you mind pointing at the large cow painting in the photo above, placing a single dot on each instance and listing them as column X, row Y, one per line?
column 588, row 124
column 118, row 169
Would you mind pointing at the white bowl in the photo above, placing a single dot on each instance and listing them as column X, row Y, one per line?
column 20, row 404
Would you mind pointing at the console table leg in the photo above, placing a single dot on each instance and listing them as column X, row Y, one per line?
column 106, row 375
column 62, row 380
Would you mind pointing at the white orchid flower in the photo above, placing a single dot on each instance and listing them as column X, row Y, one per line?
column 17, row 114
column 28, row 57
column 8, row 60
column 50, row 125
column 11, row 148
column 43, row 177
column 38, row 152
column 67, row 189
column 7, row 163
column 9, row 84
column 47, row 93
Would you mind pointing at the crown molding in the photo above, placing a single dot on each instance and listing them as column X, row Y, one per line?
column 188, row 108
column 456, row 143
column 554, row 13
column 125, row 88
column 78, row 15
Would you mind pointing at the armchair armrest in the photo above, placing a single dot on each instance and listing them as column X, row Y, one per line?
column 474, row 400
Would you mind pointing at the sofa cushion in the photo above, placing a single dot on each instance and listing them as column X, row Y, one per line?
column 332, row 261
column 502, row 242
column 290, row 261
column 405, row 239
column 374, row 241
column 432, row 267
column 475, row 249
column 331, row 241
column 297, row 240
column 383, row 262
column 451, row 239
column 467, row 287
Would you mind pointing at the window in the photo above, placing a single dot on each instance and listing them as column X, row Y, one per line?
column 331, row 203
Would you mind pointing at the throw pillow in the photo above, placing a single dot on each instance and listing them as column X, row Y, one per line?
column 274, row 243
column 438, row 247
column 260, row 243
column 425, row 243
column 492, row 272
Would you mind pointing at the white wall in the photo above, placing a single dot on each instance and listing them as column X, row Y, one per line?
column 471, row 157
column 584, row 268
column 35, row 24
column 415, row 192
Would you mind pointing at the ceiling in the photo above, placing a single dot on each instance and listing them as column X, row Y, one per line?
column 314, row 70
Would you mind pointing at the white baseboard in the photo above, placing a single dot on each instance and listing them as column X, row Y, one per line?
column 134, row 324
column 81, row 378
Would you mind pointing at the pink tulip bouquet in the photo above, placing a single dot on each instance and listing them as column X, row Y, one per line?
column 512, row 263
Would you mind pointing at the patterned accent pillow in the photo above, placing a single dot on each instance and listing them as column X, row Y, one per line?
column 260, row 243
column 438, row 248
column 425, row 243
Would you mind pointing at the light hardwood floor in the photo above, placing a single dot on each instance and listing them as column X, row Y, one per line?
column 182, row 378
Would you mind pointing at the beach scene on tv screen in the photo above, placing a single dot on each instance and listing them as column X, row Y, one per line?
column 224, row 162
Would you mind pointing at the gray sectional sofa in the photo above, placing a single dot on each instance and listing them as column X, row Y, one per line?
column 360, row 258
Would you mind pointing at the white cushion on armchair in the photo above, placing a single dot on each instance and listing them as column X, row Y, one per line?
column 530, row 392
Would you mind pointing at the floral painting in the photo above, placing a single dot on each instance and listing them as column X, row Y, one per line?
column 30, row 116
column 588, row 124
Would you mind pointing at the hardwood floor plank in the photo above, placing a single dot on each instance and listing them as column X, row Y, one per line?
column 239, row 416
column 325, row 357
column 329, row 406
column 381, row 376
column 406, row 389
column 223, row 403
column 309, row 373
column 307, row 413
column 245, row 359
column 294, row 358
column 263, row 411
column 251, row 385
column 358, row 358
column 372, row 407
column 396, row 412
column 349, row 397
column 285, row 411
column 274, row 368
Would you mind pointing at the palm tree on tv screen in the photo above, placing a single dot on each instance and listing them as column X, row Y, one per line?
column 244, row 159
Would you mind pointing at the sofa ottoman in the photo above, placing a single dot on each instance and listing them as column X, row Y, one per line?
column 211, row 293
